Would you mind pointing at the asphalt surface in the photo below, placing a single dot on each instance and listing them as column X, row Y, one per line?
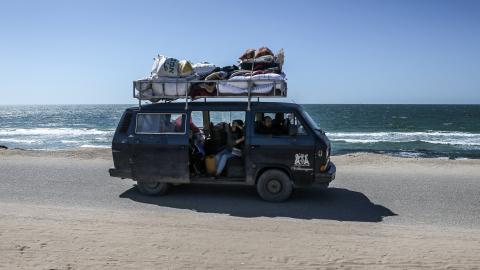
column 442, row 197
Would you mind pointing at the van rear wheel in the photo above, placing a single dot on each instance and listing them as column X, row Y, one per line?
column 274, row 186
column 153, row 188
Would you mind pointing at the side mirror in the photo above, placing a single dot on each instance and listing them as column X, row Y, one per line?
column 292, row 130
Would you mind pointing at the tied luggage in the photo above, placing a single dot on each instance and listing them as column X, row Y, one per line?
column 165, row 67
column 260, row 74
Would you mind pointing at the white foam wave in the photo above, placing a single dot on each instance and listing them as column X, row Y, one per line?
column 52, row 131
column 70, row 141
column 418, row 133
column 94, row 146
column 410, row 154
column 25, row 141
column 434, row 137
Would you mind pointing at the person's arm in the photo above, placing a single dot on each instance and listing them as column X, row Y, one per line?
column 238, row 141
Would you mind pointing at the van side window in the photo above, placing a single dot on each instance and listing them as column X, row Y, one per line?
column 217, row 117
column 278, row 124
column 221, row 131
column 197, row 119
column 160, row 123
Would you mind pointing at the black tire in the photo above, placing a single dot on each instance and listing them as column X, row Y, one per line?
column 153, row 188
column 274, row 186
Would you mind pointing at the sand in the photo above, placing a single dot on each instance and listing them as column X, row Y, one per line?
column 61, row 237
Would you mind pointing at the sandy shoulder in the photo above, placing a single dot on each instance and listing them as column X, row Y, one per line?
column 54, row 237
column 78, row 153
column 41, row 237
column 355, row 159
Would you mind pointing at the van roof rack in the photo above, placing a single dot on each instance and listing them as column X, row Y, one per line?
column 278, row 90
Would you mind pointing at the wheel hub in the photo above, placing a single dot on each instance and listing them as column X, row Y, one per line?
column 152, row 185
column 274, row 186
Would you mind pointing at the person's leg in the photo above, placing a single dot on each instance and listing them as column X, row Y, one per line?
column 220, row 154
column 223, row 161
column 218, row 158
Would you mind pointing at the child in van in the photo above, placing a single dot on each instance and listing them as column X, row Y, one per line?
column 233, row 149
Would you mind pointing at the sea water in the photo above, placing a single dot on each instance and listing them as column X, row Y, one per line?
column 408, row 130
column 451, row 131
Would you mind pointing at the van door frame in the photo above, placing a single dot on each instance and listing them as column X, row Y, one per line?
column 245, row 133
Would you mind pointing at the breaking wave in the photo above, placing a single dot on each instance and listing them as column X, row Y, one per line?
column 25, row 141
column 94, row 146
column 433, row 137
column 53, row 131
column 55, row 138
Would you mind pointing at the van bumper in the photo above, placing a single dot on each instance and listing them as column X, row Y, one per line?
column 120, row 173
column 324, row 178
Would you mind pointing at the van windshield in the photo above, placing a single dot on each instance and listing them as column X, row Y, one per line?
column 310, row 121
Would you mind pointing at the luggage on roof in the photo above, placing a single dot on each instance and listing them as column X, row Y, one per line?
column 257, row 74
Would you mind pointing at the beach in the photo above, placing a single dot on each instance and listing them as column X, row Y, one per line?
column 61, row 210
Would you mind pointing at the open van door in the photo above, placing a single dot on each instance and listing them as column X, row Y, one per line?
column 160, row 148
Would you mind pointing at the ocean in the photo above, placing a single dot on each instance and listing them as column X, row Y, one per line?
column 444, row 131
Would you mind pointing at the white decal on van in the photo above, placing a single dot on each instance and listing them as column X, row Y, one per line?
column 301, row 160
column 301, row 169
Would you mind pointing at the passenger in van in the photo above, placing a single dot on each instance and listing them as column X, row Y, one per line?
column 197, row 152
column 197, row 141
column 280, row 124
column 234, row 149
column 179, row 125
column 266, row 126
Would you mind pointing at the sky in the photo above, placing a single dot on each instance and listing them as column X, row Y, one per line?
column 361, row 52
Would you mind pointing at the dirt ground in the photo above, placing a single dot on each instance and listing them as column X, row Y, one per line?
column 36, row 235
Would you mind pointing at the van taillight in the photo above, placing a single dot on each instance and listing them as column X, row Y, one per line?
column 324, row 167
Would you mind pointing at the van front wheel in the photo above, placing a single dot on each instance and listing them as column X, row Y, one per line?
column 274, row 186
column 153, row 188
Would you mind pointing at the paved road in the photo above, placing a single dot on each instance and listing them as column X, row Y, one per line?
column 419, row 195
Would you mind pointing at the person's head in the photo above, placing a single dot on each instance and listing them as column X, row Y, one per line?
column 267, row 121
column 279, row 117
column 237, row 124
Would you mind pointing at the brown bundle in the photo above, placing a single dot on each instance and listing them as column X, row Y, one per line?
column 248, row 54
column 263, row 51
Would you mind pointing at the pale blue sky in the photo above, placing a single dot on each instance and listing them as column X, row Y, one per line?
column 336, row 51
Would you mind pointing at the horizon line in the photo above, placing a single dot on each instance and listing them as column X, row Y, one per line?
column 136, row 103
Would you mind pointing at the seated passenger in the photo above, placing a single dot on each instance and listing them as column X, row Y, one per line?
column 266, row 126
column 179, row 125
column 197, row 142
column 280, row 125
column 232, row 150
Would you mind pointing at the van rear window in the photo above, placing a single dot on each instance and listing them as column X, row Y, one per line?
column 160, row 123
